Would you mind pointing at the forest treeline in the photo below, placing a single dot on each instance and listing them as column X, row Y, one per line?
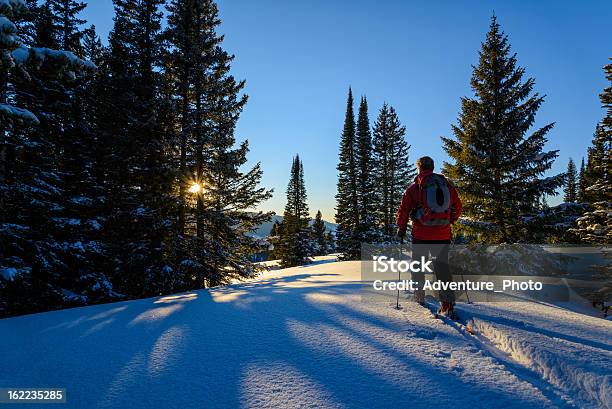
column 122, row 174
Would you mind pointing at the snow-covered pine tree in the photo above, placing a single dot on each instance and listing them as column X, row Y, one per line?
column 295, row 245
column 318, row 235
column 137, row 171
column 595, row 226
column 495, row 165
column 209, row 106
column 78, row 223
column 366, row 197
column 32, row 254
column 581, row 196
column 570, row 191
column 347, row 202
column 595, row 172
column 331, row 242
column 392, row 169
column 275, row 238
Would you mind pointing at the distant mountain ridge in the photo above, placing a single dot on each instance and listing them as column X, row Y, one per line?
column 264, row 229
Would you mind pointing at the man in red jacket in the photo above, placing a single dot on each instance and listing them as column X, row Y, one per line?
column 433, row 204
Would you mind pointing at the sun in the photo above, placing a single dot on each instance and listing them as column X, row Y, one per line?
column 195, row 188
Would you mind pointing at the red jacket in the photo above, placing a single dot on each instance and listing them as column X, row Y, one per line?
column 410, row 201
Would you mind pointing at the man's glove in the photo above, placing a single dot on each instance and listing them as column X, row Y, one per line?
column 401, row 233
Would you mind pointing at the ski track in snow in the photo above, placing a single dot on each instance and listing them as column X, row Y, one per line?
column 303, row 337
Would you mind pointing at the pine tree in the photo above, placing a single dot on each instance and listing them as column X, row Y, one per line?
column 276, row 229
column 295, row 247
column 366, row 198
column 318, row 235
column 570, row 190
column 582, row 183
column 36, row 245
column 331, row 242
column 596, row 170
column 595, row 226
column 209, row 103
column 276, row 238
column 93, row 50
column 66, row 24
column 137, row 173
column 347, row 202
column 496, row 167
column 393, row 171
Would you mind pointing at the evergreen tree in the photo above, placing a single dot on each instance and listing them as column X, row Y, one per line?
column 595, row 226
column 366, row 198
column 596, row 170
column 276, row 238
column 295, row 247
column 570, row 190
column 347, row 202
column 393, row 171
column 318, row 235
column 581, row 183
column 136, row 171
column 67, row 25
column 209, row 106
column 49, row 268
column 26, row 22
column 498, row 168
column 93, row 50
column 276, row 229
column 331, row 242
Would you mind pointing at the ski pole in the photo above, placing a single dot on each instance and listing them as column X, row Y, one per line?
column 462, row 278
column 466, row 290
column 399, row 276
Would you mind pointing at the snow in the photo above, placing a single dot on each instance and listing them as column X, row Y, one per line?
column 8, row 273
column 13, row 3
column 24, row 54
column 22, row 114
column 302, row 337
column 6, row 25
column 21, row 55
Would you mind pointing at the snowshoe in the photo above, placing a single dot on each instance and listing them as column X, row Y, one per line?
column 447, row 309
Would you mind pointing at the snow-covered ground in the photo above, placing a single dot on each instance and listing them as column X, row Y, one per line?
column 302, row 337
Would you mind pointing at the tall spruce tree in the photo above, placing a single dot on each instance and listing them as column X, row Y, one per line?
column 496, row 166
column 596, row 170
column 93, row 50
column 392, row 169
column 137, row 173
column 331, row 242
column 295, row 247
column 318, row 235
column 67, row 25
column 209, row 103
column 347, row 197
column 595, row 226
column 366, row 199
column 571, row 185
column 48, row 267
column 581, row 183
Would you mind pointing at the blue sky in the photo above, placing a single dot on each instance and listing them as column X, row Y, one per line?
column 299, row 58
